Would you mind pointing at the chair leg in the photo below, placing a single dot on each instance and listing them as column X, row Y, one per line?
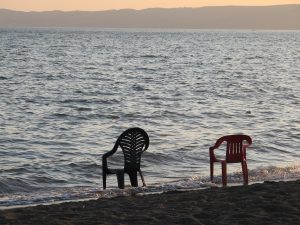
column 224, row 173
column 245, row 172
column 120, row 177
column 142, row 177
column 104, row 179
column 211, row 171
column 133, row 178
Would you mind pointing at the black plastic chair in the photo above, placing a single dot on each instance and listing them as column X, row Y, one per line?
column 133, row 143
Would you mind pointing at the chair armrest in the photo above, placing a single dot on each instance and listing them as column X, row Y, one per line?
column 106, row 155
column 246, row 146
column 212, row 155
column 244, row 149
column 104, row 162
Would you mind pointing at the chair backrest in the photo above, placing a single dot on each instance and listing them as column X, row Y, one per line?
column 234, row 150
column 133, row 143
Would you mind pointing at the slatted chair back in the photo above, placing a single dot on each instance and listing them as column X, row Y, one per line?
column 234, row 149
column 133, row 143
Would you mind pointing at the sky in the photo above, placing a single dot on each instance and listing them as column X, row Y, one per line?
column 97, row 5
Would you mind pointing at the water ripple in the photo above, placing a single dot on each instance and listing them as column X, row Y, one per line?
column 66, row 95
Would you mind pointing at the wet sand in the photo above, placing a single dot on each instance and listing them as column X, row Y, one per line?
column 267, row 203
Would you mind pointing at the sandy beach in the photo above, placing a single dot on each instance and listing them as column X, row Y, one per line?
column 267, row 203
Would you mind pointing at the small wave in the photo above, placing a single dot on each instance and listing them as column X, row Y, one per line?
column 156, row 157
column 255, row 57
column 89, row 101
column 148, row 56
column 85, row 166
column 43, row 197
column 275, row 173
column 10, row 185
column 75, row 101
column 263, row 174
column 90, row 68
column 39, row 179
column 137, row 87
column 86, row 117
column 106, row 64
column 100, row 116
column 182, row 185
column 59, row 115
column 146, row 69
column 18, row 170
column 81, row 109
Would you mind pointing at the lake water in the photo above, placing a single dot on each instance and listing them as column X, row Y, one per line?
column 67, row 94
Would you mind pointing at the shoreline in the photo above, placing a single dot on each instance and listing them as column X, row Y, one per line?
column 129, row 193
column 260, row 203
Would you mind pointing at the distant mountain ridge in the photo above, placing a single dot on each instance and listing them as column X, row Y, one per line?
column 285, row 17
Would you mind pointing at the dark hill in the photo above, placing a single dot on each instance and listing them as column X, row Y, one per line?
column 222, row 17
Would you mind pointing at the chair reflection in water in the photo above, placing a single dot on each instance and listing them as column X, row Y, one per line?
column 133, row 143
column 235, row 153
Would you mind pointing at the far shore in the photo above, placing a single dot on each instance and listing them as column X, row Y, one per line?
column 273, row 17
column 266, row 203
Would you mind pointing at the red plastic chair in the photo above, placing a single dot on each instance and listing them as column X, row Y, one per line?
column 235, row 153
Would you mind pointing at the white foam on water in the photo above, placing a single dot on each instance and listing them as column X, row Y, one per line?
column 260, row 174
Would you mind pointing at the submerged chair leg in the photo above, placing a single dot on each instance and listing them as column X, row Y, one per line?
column 245, row 172
column 211, row 171
column 224, row 173
column 120, row 177
column 142, row 177
column 133, row 178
